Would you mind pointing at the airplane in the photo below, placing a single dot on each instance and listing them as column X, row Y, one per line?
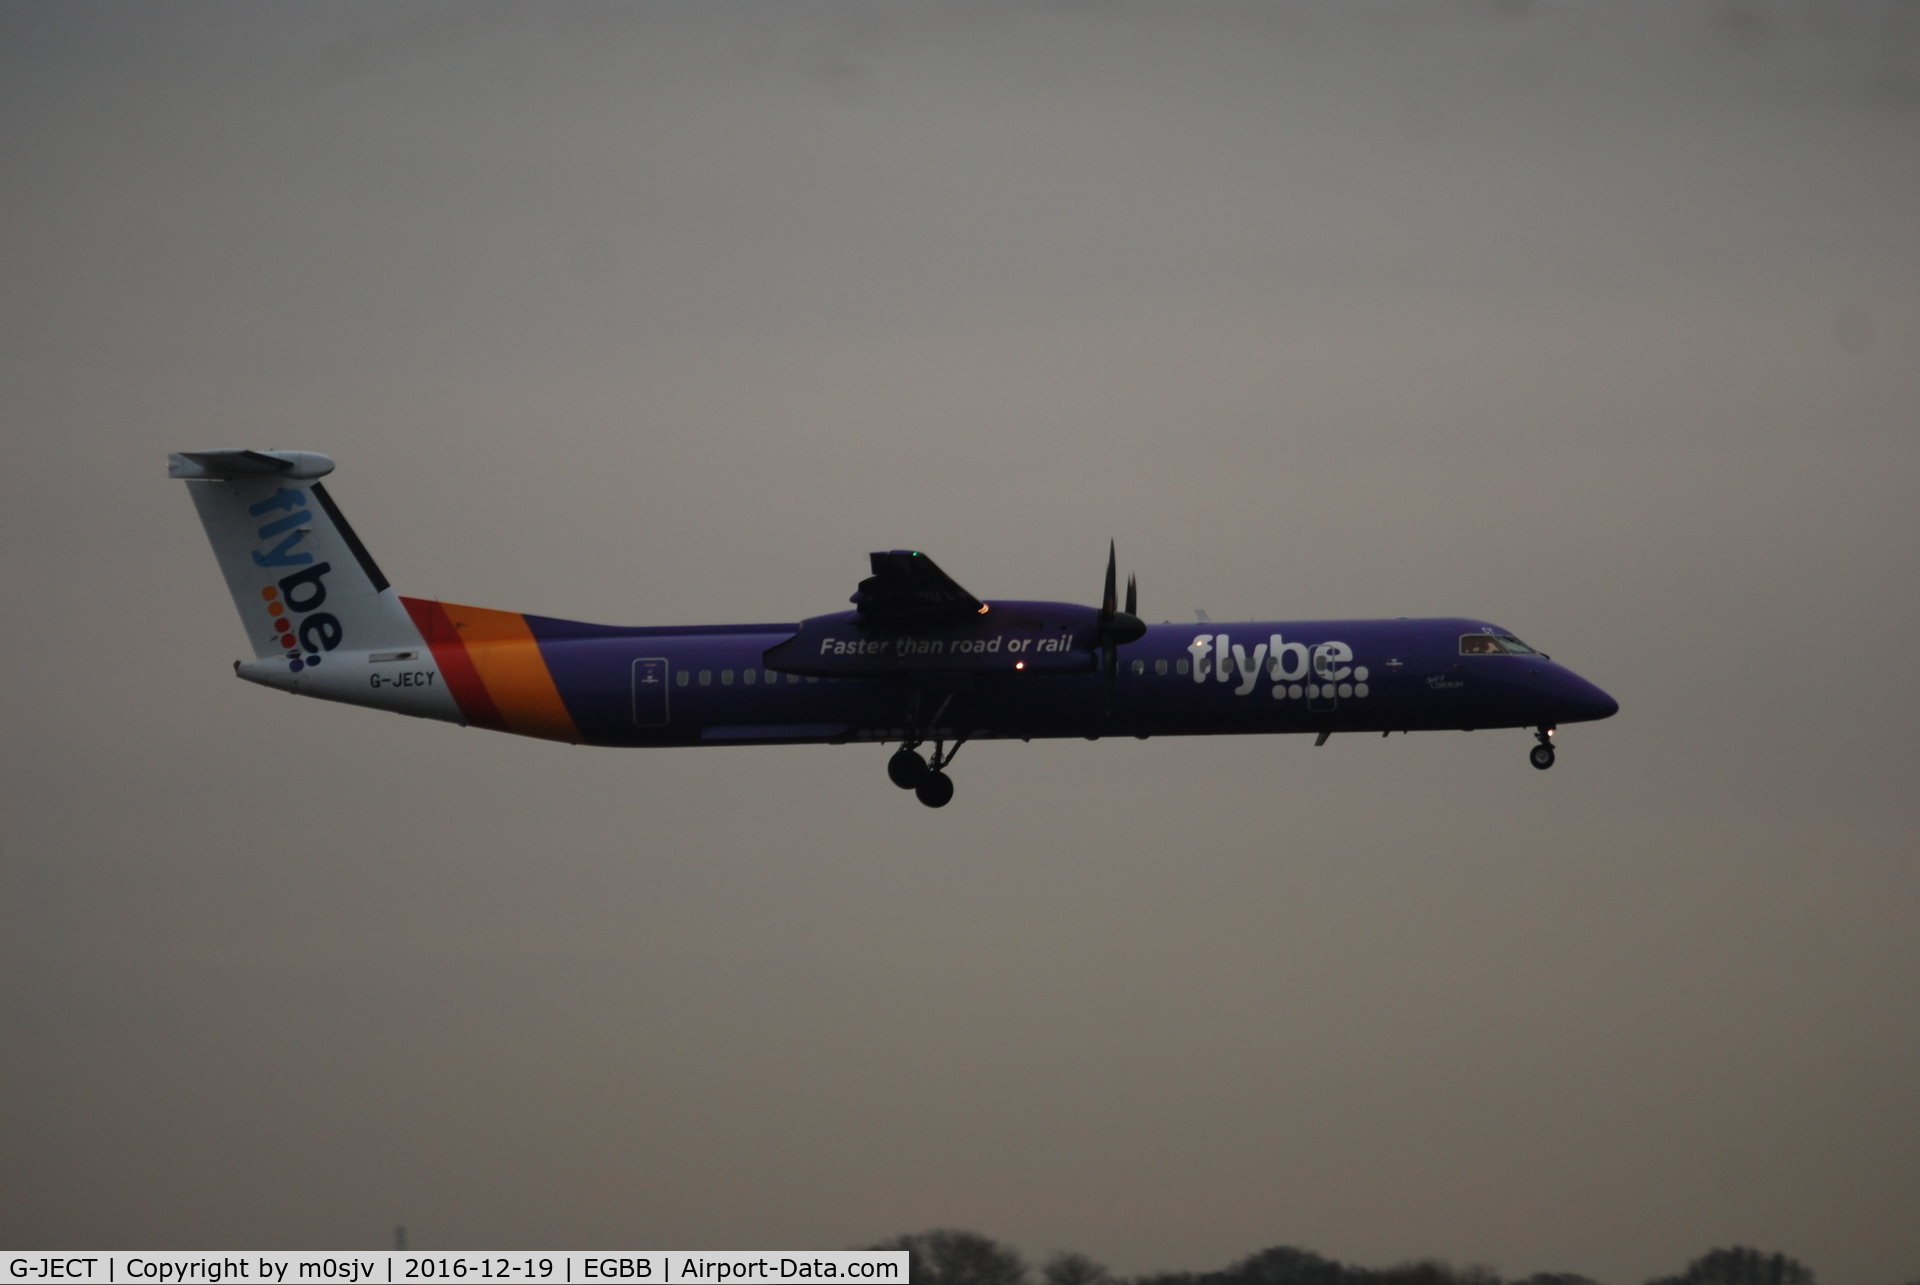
column 917, row 661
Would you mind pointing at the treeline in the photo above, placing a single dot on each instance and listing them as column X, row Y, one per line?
column 967, row 1258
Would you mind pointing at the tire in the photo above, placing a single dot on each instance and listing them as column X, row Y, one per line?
column 906, row 769
column 936, row 791
column 1541, row 756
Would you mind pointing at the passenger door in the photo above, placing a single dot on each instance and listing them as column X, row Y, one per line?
column 650, row 692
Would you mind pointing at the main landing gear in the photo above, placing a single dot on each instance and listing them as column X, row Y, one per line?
column 906, row 769
column 928, row 781
column 1541, row 755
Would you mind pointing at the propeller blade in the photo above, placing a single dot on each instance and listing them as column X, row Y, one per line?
column 1110, row 600
column 1116, row 627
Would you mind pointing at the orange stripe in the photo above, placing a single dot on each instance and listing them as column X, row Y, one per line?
column 508, row 660
column 461, row 678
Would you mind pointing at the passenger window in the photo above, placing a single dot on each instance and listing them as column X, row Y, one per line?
column 1480, row 645
column 682, row 679
column 706, row 678
column 813, row 678
column 793, row 678
column 1515, row 646
column 1180, row 666
column 1139, row 668
column 748, row 676
column 1160, row 666
column 726, row 678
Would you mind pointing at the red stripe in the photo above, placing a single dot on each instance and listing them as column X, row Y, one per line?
column 450, row 650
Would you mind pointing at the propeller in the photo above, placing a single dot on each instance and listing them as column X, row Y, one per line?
column 1116, row 627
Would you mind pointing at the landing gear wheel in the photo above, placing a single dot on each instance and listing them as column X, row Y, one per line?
column 1541, row 756
column 936, row 791
column 907, row 770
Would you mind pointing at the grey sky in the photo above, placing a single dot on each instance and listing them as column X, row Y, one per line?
column 1599, row 321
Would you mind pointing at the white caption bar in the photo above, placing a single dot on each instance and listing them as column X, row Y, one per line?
column 403, row 1267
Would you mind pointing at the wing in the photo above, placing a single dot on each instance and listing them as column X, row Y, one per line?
column 906, row 588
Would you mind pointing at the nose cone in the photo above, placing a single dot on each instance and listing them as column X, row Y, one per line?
column 1575, row 700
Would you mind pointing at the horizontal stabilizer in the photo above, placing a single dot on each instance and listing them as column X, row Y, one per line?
column 229, row 463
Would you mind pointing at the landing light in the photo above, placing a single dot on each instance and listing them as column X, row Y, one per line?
column 983, row 608
column 1019, row 664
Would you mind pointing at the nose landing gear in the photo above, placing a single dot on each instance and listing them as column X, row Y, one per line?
column 1541, row 755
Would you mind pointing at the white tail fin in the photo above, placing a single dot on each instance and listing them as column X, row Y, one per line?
column 302, row 581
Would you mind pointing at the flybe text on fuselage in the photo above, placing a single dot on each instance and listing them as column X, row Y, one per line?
column 1286, row 663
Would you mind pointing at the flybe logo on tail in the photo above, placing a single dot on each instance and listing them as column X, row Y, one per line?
column 293, row 526
column 304, row 631
column 293, row 604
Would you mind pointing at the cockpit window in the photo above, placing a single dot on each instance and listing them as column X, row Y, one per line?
column 1493, row 645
